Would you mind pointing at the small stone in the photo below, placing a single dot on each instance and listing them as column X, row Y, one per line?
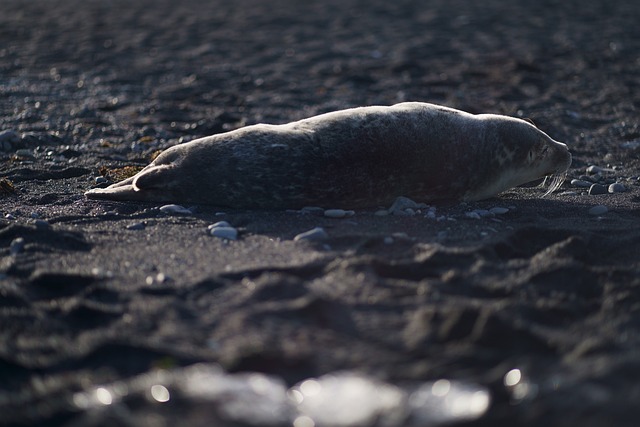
column 16, row 246
column 338, row 213
column 581, row 183
column 598, row 210
column 314, row 234
column 617, row 188
column 136, row 226
column 402, row 203
column 388, row 240
column 314, row 210
column 35, row 215
column 218, row 224
column 9, row 216
column 593, row 169
column 472, row 215
column 101, row 180
column 381, row 212
column 228, row 233
column 25, row 153
column 175, row 209
column 483, row 212
column 498, row 210
column 596, row 189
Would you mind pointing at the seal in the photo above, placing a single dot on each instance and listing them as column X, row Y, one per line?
column 354, row 158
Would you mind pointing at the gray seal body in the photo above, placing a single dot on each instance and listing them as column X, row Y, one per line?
column 360, row 157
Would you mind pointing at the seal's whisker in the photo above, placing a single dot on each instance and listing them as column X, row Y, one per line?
column 557, row 179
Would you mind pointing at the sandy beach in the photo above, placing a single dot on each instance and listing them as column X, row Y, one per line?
column 522, row 310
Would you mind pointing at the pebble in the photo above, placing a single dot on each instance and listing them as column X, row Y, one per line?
column 581, row 183
column 101, row 180
column 381, row 212
column 10, row 216
column 23, row 152
column 228, row 233
column 218, row 224
column 388, row 240
column 16, row 246
column 338, row 213
column 403, row 203
column 314, row 210
column 617, row 188
column 499, row 210
column 314, row 234
column 136, row 226
column 594, row 169
column 479, row 213
column 175, row 209
column 596, row 189
column 598, row 210
column 472, row 215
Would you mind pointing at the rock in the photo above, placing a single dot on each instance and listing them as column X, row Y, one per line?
column 596, row 189
column 593, row 169
column 218, row 224
column 228, row 233
column 581, row 183
column 403, row 203
column 338, row 213
column 314, row 234
column 175, row 209
column 498, row 210
column 617, row 188
column 598, row 210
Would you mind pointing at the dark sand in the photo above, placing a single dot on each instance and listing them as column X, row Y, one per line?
column 546, row 288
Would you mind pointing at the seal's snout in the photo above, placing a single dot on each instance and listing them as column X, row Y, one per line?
column 563, row 156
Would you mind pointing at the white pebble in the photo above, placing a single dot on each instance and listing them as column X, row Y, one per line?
column 338, row 213
column 229, row 233
column 175, row 209
column 317, row 233
column 594, row 169
column 218, row 225
column 598, row 210
column 617, row 188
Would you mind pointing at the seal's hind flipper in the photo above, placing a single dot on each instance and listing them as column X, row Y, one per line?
column 113, row 192
column 152, row 177
column 146, row 185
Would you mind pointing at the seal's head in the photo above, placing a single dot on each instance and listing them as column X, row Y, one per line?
column 522, row 153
